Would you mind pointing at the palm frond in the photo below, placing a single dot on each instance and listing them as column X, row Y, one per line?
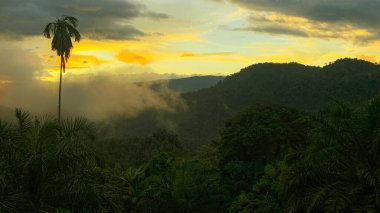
column 73, row 32
column 23, row 119
column 71, row 20
column 49, row 29
column 76, row 126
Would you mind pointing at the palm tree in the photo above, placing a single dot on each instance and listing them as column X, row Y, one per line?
column 46, row 166
column 63, row 29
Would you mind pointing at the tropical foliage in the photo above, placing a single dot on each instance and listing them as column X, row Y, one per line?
column 268, row 159
column 340, row 170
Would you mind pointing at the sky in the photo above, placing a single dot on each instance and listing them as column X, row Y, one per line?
column 130, row 40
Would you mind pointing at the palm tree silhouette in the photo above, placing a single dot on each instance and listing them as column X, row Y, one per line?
column 63, row 29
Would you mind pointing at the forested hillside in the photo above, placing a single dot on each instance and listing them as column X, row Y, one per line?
column 306, row 88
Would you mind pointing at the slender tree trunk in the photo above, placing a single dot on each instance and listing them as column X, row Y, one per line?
column 60, row 89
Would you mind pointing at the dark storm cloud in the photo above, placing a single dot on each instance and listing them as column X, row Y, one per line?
column 356, row 13
column 101, row 19
column 114, row 33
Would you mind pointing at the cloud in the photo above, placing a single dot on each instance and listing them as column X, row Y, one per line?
column 99, row 19
column 275, row 30
column 324, row 18
column 134, row 58
column 18, row 72
column 115, row 32
column 188, row 54
column 274, row 23
column 104, row 96
column 191, row 54
column 76, row 61
column 97, row 96
column 83, row 61
column 371, row 58
column 18, row 65
column 348, row 11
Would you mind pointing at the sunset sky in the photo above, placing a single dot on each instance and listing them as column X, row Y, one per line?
column 182, row 37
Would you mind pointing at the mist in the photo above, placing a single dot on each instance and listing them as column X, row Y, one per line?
column 96, row 96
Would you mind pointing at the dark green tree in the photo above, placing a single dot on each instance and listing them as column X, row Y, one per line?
column 258, row 136
column 265, row 194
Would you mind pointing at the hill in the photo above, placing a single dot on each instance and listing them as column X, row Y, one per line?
column 307, row 88
column 194, row 83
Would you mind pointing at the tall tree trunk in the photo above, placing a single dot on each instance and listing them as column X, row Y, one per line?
column 60, row 88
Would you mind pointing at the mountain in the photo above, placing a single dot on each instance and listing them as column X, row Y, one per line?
column 296, row 85
column 184, row 85
column 307, row 88
column 194, row 83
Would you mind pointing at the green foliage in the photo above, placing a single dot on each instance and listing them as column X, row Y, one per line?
column 50, row 166
column 137, row 151
column 265, row 196
column 46, row 166
column 340, row 170
column 268, row 159
column 256, row 137
column 336, row 170
column 170, row 184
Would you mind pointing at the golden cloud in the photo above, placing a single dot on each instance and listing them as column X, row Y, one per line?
column 85, row 61
column 134, row 58
column 5, row 82
column 370, row 58
column 191, row 54
column 187, row 54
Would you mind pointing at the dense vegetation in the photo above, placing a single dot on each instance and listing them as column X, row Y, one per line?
column 302, row 87
column 268, row 158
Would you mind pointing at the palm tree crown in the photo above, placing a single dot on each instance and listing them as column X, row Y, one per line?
column 63, row 29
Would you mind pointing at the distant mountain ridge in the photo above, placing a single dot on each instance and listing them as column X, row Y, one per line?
column 184, row 85
column 300, row 86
